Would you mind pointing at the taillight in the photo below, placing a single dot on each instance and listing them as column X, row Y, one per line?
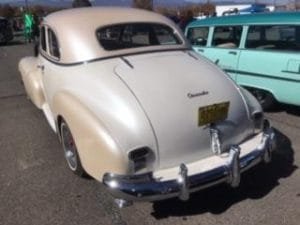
column 258, row 119
column 141, row 159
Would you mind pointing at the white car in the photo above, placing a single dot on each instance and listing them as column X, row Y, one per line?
column 137, row 109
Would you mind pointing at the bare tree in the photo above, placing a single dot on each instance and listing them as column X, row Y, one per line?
column 143, row 4
column 81, row 3
column 208, row 9
column 7, row 11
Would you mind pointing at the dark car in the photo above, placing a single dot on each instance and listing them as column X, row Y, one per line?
column 6, row 33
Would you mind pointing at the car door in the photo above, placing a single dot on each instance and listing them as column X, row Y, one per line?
column 270, row 61
column 224, row 49
column 48, row 65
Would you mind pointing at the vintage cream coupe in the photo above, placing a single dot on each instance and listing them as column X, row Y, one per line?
column 137, row 109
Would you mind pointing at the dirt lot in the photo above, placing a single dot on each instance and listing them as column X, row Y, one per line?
column 36, row 187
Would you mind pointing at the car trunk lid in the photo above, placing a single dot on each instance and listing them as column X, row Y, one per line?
column 171, row 87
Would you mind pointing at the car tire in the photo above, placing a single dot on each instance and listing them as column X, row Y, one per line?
column 70, row 150
column 265, row 98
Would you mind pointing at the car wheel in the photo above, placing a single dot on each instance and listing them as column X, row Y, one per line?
column 265, row 98
column 70, row 150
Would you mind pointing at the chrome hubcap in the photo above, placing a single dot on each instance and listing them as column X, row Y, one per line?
column 69, row 147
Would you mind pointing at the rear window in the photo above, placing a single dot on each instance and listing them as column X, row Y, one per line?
column 136, row 35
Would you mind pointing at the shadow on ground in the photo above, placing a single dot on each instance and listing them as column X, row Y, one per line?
column 290, row 109
column 255, row 184
column 12, row 43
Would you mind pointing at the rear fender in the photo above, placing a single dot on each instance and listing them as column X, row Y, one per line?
column 32, row 79
column 98, row 151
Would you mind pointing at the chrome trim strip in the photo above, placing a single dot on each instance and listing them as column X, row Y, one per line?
column 112, row 56
column 246, row 73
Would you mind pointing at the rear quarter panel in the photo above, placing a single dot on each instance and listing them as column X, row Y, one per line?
column 269, row 70
column 98, row 151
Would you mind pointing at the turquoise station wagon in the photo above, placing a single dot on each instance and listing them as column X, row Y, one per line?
column 259, row 51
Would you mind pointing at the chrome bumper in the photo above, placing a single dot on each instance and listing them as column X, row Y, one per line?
column 146, row 188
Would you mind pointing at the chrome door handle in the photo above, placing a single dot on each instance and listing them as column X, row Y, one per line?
column 232, row 52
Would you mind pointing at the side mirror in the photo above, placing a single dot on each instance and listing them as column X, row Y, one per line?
column 36, row 49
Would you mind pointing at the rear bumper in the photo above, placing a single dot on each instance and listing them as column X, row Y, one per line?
column 146, row 187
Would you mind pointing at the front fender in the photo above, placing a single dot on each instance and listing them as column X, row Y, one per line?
column 32, row 79
column 97, row 149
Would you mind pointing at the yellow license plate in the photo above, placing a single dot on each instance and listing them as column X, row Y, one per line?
column 213, row 113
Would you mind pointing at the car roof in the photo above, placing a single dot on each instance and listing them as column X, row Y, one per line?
column 100, row 16
column 246, row 19
column 76, row 30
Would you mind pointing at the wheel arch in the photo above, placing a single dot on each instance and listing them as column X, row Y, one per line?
column 262, row 88
column 270, row 99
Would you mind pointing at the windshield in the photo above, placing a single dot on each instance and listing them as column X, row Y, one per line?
column 136, row 35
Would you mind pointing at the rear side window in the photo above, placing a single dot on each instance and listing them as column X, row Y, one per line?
column 136, row 35
column 53, row 44
column 198, row 35
column 43, row 39
column 227, row 36
column 275, row 37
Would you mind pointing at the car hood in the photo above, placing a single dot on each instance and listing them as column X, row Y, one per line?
column 170, row 88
